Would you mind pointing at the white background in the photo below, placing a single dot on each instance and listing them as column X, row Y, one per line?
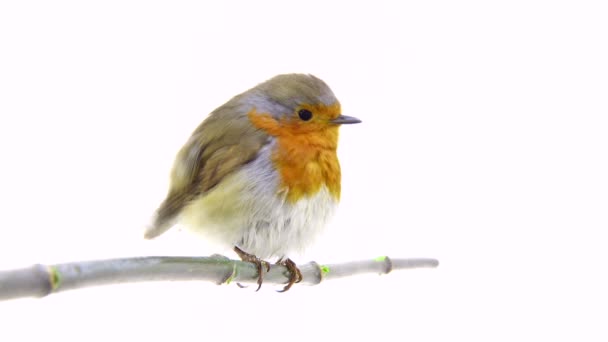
column 483, row 144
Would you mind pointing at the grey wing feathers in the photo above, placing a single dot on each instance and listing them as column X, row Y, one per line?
column 219, row 146
column 183, row 174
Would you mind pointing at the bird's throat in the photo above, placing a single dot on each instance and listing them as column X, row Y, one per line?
column 305, row 167
column 305, row 161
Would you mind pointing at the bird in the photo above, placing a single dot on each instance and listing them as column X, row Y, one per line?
column 260, row 174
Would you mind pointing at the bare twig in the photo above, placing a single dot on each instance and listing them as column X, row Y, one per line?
column 42, row 280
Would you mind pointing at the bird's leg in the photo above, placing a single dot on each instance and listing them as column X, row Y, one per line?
column 259, row 263
column 295, row 276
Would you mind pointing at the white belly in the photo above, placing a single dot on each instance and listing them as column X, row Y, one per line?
column 246, row 209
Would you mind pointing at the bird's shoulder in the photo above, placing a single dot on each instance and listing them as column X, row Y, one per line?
column 222, row 144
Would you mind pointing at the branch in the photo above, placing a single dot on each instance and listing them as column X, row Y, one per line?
column 41, row 280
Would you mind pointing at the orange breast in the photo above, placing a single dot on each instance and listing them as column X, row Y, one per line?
column 305, row 155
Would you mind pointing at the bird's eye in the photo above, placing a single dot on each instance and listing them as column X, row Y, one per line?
column 305, row 114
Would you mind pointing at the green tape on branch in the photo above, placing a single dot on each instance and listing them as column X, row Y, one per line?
column 324, row 269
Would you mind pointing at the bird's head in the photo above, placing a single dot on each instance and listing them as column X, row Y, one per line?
column 296, row 104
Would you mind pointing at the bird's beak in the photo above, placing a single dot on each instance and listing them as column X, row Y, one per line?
column 344, row 119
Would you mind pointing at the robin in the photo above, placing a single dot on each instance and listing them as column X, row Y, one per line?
column 260, row 173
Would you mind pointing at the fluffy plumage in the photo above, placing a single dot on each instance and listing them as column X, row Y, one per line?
column 256, row 175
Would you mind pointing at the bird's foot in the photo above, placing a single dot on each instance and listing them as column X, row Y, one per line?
column 295, row 276
column 259, row 263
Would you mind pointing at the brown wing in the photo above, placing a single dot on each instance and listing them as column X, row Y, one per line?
column 220, row 145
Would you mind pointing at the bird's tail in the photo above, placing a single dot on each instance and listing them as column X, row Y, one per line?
column 166, row 215
column 157, row 228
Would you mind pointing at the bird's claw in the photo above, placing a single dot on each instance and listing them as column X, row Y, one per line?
column 295, row 276
column 259, row 263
